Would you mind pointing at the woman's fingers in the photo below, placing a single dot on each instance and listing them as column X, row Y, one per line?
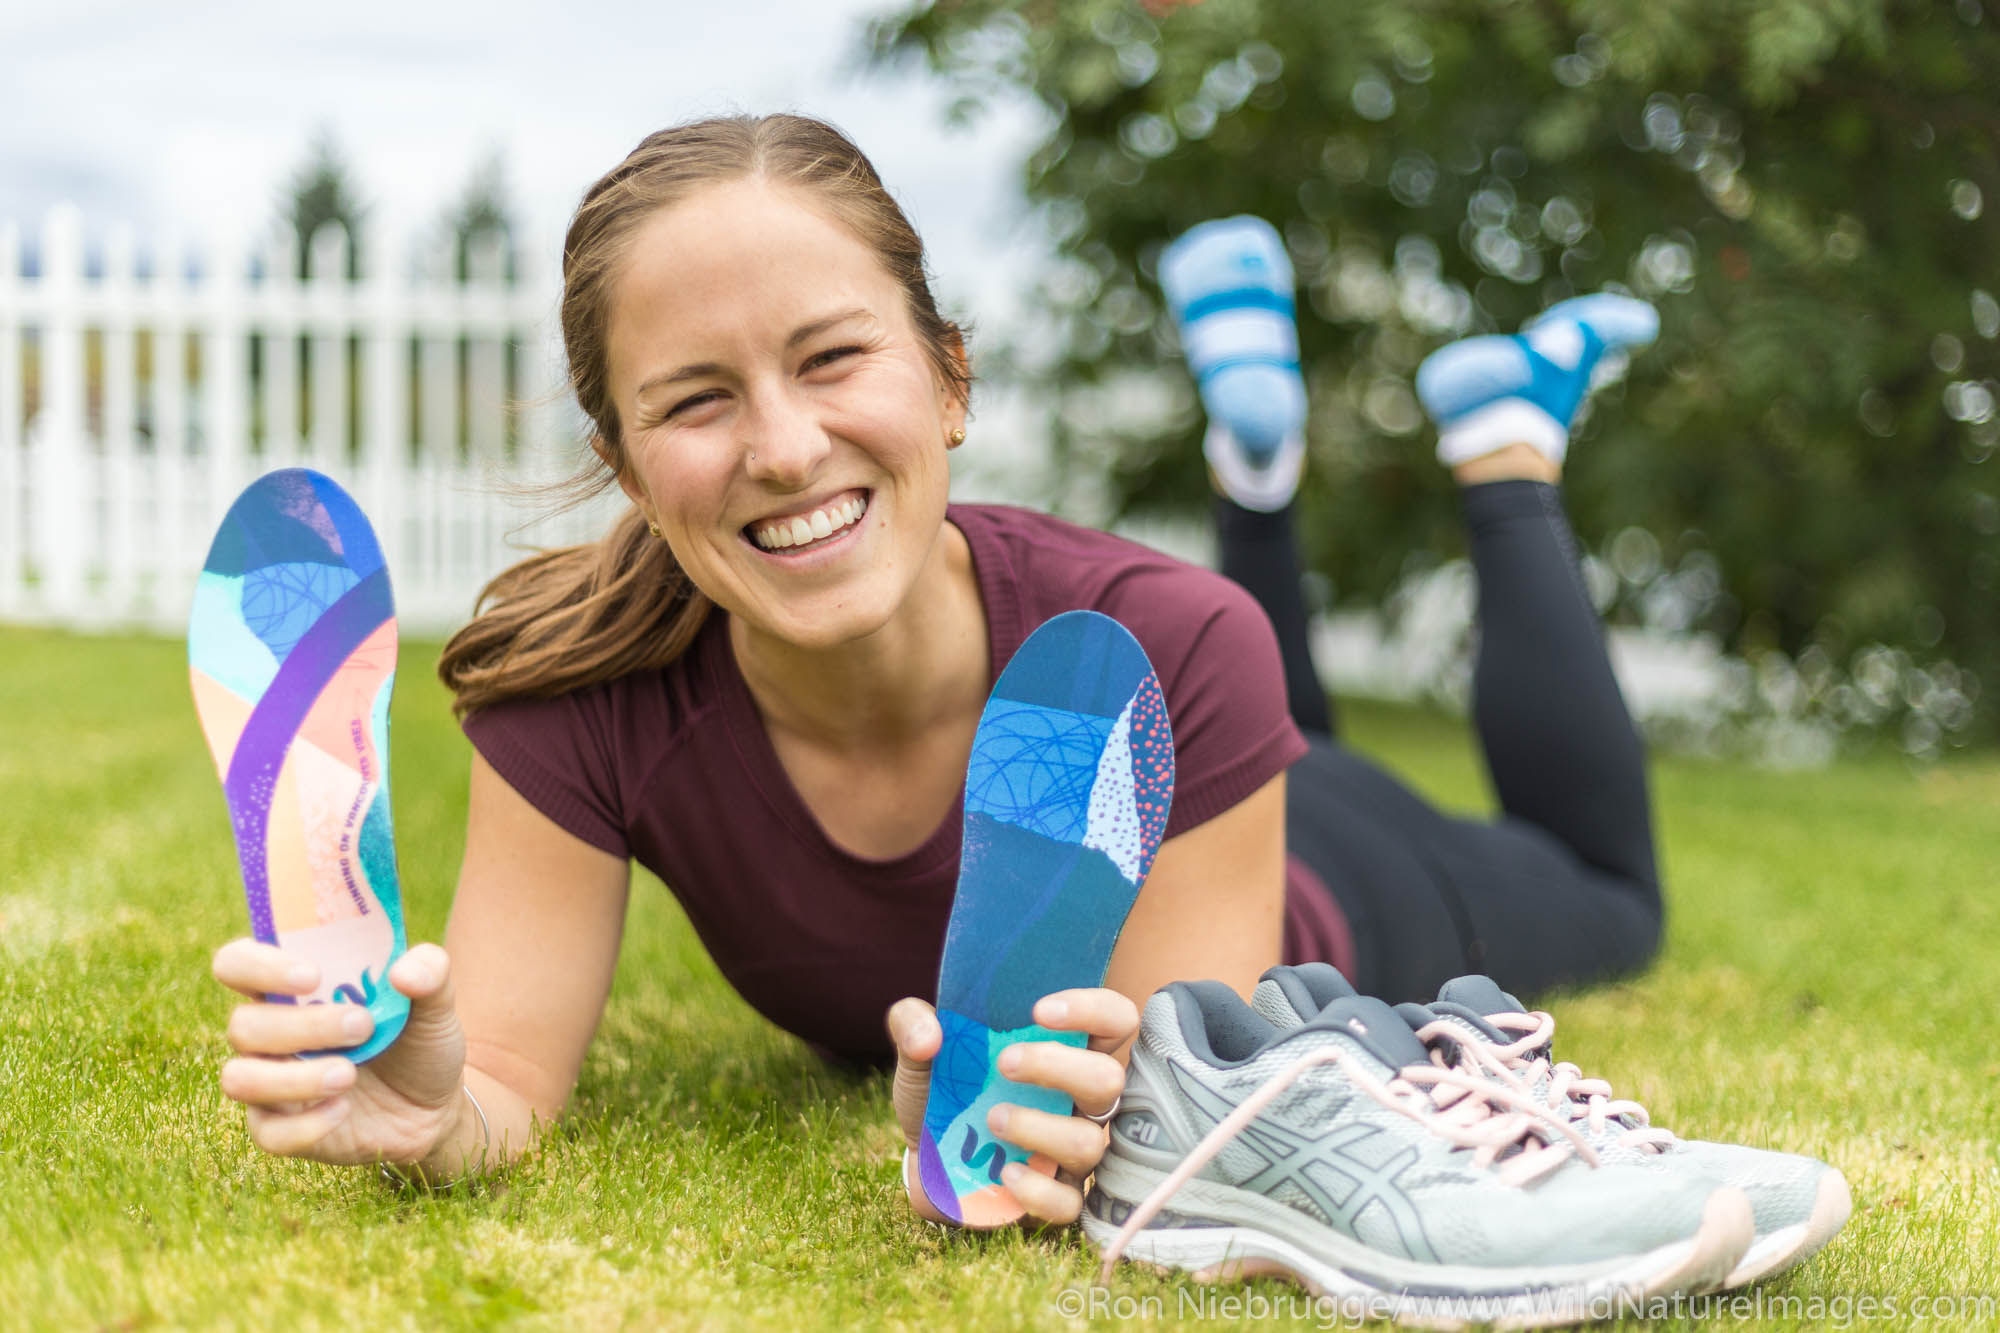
column 279, row 1085
column 1071, row 1142
column 1093, row 1079
column 296, row 1133
column 251, row 967
column 914, row 1030
column 288, row 1029
column 1050, row 1200
column 1109, row 1018
column 913, row 1027
column 424, row 974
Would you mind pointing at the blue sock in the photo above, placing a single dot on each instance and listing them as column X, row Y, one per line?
column 1487, row 393
column 1229, row 286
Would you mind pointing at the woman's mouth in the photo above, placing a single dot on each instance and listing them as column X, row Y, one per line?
column 801, row 532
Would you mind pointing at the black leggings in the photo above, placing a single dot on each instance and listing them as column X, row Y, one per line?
column 1562, row 886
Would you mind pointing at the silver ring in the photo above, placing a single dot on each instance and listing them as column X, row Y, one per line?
column 1105, row 1119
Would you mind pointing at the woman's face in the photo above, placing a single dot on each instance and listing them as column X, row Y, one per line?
column 783, row 424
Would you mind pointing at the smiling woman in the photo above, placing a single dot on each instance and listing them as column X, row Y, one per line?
column 764, row 683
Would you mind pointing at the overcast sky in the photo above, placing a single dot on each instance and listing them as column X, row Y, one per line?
column 192, row 115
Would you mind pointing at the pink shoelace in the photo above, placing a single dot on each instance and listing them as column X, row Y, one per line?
column 1467, row 1109
column 1570, row 1092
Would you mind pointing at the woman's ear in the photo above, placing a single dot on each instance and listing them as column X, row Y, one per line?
column 628, row 481
column 956, row 396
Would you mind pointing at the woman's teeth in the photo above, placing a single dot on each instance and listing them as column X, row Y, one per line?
column 816, row 526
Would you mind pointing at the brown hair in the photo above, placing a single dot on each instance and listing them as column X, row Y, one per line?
column 580, row 615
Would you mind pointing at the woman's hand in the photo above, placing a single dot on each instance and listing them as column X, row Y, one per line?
column 1092, row 1076
column 398, row 1107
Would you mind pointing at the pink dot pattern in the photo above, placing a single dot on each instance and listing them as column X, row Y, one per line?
column 1152, row 742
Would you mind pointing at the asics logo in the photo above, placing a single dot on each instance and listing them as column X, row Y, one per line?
column 1343, row 1170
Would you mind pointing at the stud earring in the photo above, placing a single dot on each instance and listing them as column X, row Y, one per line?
column 957, row 436
column 654, row 528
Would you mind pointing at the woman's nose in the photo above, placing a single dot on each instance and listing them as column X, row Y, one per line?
column 784, row 442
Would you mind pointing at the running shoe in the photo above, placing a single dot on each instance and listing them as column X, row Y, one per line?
column 1799, row 1202
column 1338, row 1154
column 1486, row 393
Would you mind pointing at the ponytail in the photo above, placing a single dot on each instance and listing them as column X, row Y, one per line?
column 574, row 617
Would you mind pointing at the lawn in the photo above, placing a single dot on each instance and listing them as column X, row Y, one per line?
column 1827, row 986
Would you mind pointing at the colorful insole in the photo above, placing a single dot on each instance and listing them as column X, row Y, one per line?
column 1066, row 800
column 292, row 651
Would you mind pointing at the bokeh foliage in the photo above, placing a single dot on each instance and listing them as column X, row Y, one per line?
column 1809, row 191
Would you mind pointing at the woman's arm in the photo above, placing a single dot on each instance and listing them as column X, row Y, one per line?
column 1214, row 904
column 534, row 935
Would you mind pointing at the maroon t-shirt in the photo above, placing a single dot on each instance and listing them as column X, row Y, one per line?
column 674, row 768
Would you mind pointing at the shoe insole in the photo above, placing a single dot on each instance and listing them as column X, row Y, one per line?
column 292, row 653
column 1066, row 799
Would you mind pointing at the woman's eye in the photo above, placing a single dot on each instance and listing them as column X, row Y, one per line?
column 817, row 360
column 686, row 403
column 830, row 355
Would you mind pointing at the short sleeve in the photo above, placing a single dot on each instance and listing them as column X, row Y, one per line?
column 557, row 754
column 1224, row 679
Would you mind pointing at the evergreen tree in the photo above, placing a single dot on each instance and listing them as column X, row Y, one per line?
column 482, row 212
column 321, row 190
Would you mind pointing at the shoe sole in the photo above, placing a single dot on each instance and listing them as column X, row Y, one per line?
column 1067, row 793
column 1781, row 1249
column 1546, row 1298
column 292, row 655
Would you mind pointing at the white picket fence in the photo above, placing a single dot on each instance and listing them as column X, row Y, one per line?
column 133, row 410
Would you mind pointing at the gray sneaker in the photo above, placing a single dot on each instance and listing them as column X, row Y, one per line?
column 1799, row 1202
column 1338, row 1154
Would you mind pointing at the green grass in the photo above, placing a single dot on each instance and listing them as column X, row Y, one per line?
column 1829, row 984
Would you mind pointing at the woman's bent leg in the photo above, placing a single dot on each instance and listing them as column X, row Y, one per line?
column 1428, row 897
column 1563, row 886
column 1561, row 747
column 1260, row 552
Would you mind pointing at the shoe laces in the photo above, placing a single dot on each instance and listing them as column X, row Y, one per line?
column 1569, row 1091
column 1502, row 1123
